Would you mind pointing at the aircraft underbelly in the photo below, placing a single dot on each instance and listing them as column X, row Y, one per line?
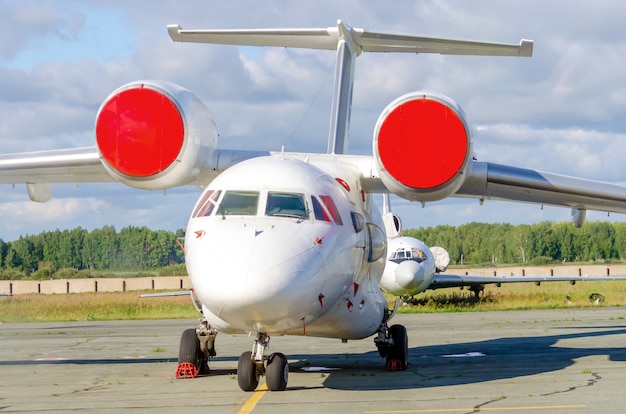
column 355, row 315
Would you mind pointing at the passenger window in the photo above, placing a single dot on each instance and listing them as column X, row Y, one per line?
column 207, row 204
column 239, row 203
column 332, row 208
column 318, row 210
column 286, row 205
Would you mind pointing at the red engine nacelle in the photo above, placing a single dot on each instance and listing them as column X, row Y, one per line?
column 154, row 135
column 422, row 146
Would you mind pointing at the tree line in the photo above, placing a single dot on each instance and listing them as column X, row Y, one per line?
column 538, row 244
column 130, row 249
column 62, row 254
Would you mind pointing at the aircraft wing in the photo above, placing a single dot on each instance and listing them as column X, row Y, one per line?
column 502, row 182
column 441, row 281
column 53, row 166
column 40, row 169
column 484, row 180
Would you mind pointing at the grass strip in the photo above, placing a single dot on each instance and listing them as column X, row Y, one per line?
column 129, row 306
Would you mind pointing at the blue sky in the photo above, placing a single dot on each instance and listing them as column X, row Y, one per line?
column 560, row 111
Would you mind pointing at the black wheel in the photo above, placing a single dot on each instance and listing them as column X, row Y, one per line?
column 247, row 373
column 399, row 352
column 189, row 349
column 277, row 372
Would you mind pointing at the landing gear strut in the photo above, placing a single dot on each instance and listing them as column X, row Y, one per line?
column 393, row 343
column 477, row 290
column 196, row 347
column 252, row 365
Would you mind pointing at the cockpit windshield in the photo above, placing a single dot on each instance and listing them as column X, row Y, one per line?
column 286, row 205
column 403, row 254
column 239, row 203
column 246, row 203
column 207, row 204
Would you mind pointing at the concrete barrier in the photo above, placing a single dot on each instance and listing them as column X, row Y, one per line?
column 61, row 286
column 560, row 270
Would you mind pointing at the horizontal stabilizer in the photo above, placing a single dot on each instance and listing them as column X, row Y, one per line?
column 364, row 40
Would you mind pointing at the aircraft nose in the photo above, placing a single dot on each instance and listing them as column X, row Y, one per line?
column 409, row 274
column 264, row 276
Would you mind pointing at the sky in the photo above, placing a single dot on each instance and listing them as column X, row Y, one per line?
column 560, row 111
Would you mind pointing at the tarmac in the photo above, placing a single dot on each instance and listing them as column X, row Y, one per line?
column 555, row 361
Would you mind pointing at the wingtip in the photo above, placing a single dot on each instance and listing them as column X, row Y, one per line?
column 174, row 31
column 526, row 48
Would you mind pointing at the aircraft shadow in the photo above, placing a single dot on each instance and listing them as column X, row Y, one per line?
column 430, row 366
column 457, row 364
column 97, row 361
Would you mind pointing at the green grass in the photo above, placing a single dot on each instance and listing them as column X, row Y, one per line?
column 552, row 295
column 128, row 305
column 93, row 306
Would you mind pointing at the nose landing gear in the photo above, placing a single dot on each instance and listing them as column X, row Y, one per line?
column 252, row 366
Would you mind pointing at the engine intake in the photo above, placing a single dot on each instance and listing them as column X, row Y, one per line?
column 422, row 146
column 154, row 135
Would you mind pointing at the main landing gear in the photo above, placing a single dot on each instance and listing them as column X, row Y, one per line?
column 196, row 347
column 393, row 343
column 252, row 366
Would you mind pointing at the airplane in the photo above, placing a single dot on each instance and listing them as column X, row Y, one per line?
column 286, row 243
column 412, row 267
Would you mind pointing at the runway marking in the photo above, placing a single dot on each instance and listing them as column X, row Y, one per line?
column 249, row 405
column 318, row 369
column 465, row 355
column 473, row 409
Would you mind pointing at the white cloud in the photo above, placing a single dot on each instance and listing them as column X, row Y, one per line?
column 561, row 111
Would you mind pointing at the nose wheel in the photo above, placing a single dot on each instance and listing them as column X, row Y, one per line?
column 252, row 365
column 277, row 372
column 247, row 372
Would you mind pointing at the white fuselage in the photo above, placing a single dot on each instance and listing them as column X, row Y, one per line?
column 279, row 246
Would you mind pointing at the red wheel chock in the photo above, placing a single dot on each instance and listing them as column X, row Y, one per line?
column 394, row 365
column 186, row 370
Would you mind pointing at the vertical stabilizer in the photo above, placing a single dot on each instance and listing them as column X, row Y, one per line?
column 342, row 92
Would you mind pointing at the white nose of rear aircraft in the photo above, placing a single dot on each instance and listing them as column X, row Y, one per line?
column 410, row 267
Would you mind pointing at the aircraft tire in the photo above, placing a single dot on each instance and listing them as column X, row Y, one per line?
column 247, row 372
column 277, row 372
column 189, row 349
column 400, row 349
